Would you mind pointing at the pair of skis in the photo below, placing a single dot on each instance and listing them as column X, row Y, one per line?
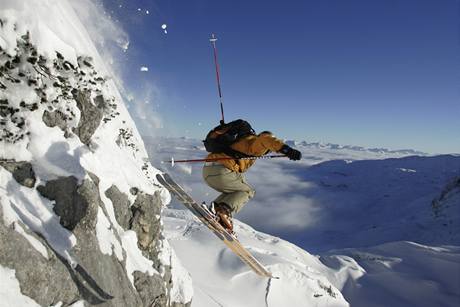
column 210, row 220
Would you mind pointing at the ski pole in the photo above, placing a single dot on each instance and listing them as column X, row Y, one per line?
column 213, row 40
column 172, row 161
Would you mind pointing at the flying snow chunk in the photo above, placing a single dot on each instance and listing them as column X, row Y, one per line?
column 147, row 12
column 144, row 68
column 164, row 27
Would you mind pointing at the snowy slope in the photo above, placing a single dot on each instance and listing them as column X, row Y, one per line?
column 397, row 274
column 63, row 119
column 221, row 279
column 375, row 202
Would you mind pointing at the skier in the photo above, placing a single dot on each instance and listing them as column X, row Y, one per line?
column 227, row 176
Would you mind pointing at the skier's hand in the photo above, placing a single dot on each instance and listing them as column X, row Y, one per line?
column 291, row 153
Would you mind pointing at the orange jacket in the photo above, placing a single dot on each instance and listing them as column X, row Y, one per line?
column 253, row 145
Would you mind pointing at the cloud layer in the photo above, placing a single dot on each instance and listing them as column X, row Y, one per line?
column 333, row 198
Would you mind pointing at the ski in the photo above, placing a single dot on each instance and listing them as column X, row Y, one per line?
column 209, row 219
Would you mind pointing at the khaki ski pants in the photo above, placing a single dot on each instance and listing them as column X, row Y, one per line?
column 236, row 192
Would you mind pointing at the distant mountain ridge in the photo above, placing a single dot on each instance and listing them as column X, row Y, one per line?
column 381, row 150
column 316, row 145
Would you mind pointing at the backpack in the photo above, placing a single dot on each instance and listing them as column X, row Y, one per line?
column 220, row 139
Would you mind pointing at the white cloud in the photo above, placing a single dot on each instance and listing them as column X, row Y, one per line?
column 278, row 205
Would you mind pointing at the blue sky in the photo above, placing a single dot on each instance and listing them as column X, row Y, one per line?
column 383, row 73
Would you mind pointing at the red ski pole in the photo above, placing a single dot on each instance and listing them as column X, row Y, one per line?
column 172, row 161
column 213, row 40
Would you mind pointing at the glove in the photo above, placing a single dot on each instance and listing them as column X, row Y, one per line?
column 291, row 153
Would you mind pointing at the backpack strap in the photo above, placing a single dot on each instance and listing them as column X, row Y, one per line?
column 235, row 153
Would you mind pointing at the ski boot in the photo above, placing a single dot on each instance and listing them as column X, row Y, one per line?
column 224, row 215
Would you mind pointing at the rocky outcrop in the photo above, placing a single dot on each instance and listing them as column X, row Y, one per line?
column 97, row 278
column 71, row 200
column 438, row 204
column 146, row 220
column 121, row 204
column 143, row 217
column 22, row 172
column 69, row 96
column 90, row 114
column 40, row 278
column 55, row 118
column 150, row 289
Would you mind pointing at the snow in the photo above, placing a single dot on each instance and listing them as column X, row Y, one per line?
column 394, row 274
column 144, row 68
column 218, row 274
column 26, row 207
column 54, row 155
column 80, row 303
column 135, row 261
column 383, row 225
column 32, row 240
column 182, row 290
column 48, row 25
column 108, row 242
column 10, row 291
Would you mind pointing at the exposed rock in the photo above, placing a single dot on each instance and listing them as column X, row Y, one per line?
column 101, row 279
column 55, row 118
column 121, row 206
column 90, row 114
column 134, row 191
column 437, row 203
column 47, row 281
column 97, row 279
column 150, row 289
column 146, row 222
column 22, row 172
column 69, row 203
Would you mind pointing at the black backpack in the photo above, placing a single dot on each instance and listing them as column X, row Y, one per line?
column 223, row 136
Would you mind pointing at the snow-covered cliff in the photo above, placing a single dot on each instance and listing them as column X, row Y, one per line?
column 80, row 210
